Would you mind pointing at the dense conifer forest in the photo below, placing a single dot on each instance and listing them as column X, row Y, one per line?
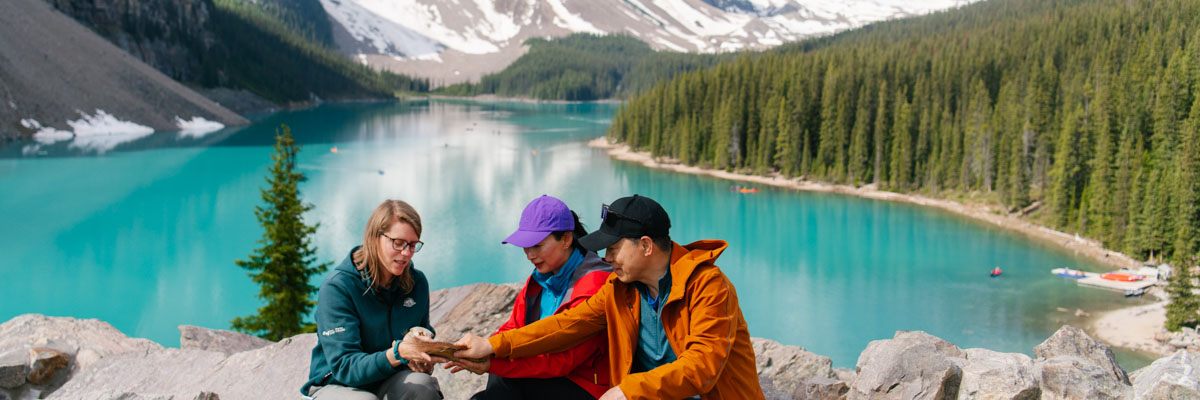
column 585, row 67
column 1086, row 112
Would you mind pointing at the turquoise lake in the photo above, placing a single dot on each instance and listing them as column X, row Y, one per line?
column 144, row 235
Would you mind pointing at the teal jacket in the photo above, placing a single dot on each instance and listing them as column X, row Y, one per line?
column 356, row 326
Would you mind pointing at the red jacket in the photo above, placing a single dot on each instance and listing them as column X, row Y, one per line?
column 585, row 364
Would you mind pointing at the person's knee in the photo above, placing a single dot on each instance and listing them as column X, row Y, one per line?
column 417, row 386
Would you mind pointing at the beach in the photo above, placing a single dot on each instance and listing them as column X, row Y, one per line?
column 1133, row 327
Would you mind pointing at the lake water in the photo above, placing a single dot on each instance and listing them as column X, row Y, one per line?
column 143, row 234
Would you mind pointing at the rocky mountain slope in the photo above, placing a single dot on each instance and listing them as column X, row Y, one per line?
column 66, row 358
column 452, row 41
column 52, row 70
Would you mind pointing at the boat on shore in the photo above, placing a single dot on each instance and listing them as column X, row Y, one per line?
column 1069, row 273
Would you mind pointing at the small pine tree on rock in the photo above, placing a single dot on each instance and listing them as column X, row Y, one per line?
column 284, row 264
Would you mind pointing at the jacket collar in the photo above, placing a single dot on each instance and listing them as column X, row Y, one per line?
column 685, row 259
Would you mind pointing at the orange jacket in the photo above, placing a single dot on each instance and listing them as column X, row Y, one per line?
column 702, row 318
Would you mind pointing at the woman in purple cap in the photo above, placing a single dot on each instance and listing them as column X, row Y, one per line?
column 565, row 275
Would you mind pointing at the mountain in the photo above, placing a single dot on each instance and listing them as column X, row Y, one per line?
column 262, row 47
column 455, row 41
column 54, row 73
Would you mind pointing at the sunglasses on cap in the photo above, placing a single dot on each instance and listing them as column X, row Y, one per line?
column 605, row 212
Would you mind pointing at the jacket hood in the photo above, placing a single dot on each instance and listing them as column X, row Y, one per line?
column 687, row 258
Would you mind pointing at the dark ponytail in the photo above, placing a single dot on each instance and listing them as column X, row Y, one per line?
column 579, row 232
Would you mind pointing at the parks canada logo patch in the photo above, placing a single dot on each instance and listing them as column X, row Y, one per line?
column 409, row 302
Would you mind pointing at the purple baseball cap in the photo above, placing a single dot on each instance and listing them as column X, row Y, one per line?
column 542, row 216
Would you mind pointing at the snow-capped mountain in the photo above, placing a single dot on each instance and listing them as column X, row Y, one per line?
column 434, row 30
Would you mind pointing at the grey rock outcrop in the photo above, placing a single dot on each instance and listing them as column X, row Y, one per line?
column 273, row 372
column 83, row 342
column 821, row 389
column 14, row 367
column 1070, row 377
column 789, row 366
column 104, row 364
column 478, row 309
column 994, row 375
column 1073, row 365
column 911, row 365
column 1072, row 341
column 197, row 338
column 1176, row 376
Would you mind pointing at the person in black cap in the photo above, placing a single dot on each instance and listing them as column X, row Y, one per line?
column 674, row 326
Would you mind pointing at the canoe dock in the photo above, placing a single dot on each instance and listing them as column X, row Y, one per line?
column 1135, row 288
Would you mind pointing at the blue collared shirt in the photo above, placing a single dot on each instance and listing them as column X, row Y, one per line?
column 653, row 349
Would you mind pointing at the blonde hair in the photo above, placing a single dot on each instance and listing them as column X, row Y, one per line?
column 366, row 258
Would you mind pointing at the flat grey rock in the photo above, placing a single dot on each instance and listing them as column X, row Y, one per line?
column 1176, row 376
column 198, row 338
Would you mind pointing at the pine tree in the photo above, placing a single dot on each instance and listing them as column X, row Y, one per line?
column 284, row 265
column 1187, row 217
column 1065, row 187
column 882, row 132
column 1184, row 302
column 901, row 157
column 859, row 147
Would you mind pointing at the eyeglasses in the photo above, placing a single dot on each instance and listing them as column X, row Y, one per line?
column 401, row 245
column 605, row 211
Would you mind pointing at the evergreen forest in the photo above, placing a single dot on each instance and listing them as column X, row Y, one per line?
column 1083, row 115
column 583, row 67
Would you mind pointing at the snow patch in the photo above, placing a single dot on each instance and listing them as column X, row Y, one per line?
column 385, row 36
column 570, row 21
column 422, row 29
column 103, row 132
column 197, row 127
column 45, row 134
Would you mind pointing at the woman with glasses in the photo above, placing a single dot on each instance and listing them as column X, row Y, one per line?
column 564, row 275
column 369, row 302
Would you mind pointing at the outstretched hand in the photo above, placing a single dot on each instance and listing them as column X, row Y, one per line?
column 477, row 347
column 477, row 368
column 410, row 350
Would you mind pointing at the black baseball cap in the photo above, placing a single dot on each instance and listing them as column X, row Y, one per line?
column 628, row 217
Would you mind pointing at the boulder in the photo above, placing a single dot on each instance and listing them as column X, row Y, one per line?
column 1073, row 377
column 1072, row 341
column 789, row 366
column 911, row 365
column 993, row 375
column 821, row 389
column 273, row 372
column 197, row 338
column 770, row 392
column 14, row 367
column 1173, row 377
column 44, row 362
column 85, row 340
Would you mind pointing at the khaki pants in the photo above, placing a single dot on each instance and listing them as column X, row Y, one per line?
column 403, row 385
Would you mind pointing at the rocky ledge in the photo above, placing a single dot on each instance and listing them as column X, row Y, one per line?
column 69, row 358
